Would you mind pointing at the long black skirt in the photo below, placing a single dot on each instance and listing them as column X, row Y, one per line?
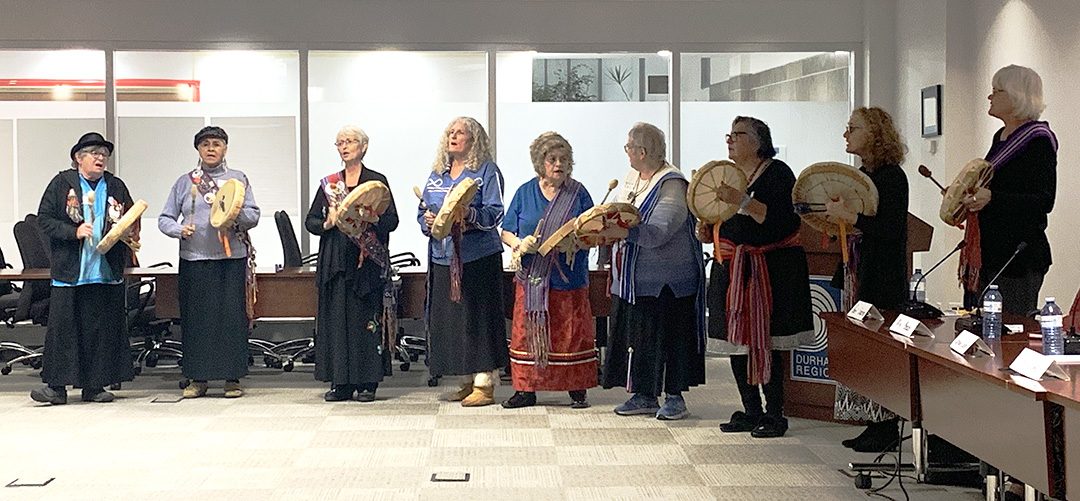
column 654, row 343
column 470, row 336
column 213, row 319
column 86, row 343
column 348, row 335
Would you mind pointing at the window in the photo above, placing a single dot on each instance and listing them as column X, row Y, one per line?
column 403, row 101
column 166, row 97
column 805, row 97
column 48, row 99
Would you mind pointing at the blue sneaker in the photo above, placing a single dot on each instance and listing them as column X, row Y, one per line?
column 638, row 404
column 674, row 408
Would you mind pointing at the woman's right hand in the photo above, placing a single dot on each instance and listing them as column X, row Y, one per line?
column 528, row 245
column 429, row 218
column 703, row 232
column 187, row 231
column 331, row 218
column 84, row 230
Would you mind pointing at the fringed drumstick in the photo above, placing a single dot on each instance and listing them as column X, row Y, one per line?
column 90, row 199
column 610, row 187
column 925, row 171
column 194, row 197
column 420, row 196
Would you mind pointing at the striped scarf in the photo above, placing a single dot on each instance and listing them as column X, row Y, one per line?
column 749, row 301
column 536, row 279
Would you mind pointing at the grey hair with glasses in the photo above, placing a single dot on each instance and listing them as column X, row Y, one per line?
column 1025, row 90
column 89, row 150
column 651, row 138
column 354, row 132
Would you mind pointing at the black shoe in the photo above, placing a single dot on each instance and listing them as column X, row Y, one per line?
column 770, row 427
column 98, row 395
column 520, row 399
column 338, row 393
column 740, row 422
column 50, row 395
column 849, row 443
column 578, row 399
column 365, row 396
column 879, row 437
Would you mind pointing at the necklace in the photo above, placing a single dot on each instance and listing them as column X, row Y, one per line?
column 635, row 191
column 757, row 171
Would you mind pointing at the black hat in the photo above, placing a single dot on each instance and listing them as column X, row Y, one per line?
column 91, row 139
column 211, row 131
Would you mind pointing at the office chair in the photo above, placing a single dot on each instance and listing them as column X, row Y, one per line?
column 33, row 300
column 284, row 355
column 148, row 333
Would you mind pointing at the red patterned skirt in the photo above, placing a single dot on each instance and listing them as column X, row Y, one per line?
column 572, row 361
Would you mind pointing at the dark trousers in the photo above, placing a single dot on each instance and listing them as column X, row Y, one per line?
column 751, row 396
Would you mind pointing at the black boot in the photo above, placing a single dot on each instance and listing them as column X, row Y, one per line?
column 879, row 437
column 54, row 395
column 98, row 395
column 339, row 393
column 770, row 427
column 578, row 399
column 741, row 422
column 520, row 399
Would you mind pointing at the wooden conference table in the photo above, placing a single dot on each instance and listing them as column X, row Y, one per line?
column 1018, row 425
column 290, row 292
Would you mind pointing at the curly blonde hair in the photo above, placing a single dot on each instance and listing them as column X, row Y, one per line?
column 885, row 145
column 479, row 149
column 546, row 143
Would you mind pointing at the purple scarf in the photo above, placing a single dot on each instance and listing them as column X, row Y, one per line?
column 536, row 279
column 1001, row 152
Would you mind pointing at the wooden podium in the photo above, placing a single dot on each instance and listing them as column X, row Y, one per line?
column 815, row 400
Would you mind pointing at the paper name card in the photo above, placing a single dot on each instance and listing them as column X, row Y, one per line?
column 967, row 343
column 1034, row 365
column 909, row 327
column 864, row 311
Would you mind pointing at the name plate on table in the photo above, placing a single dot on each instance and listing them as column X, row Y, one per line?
column 909, row 327
column 1034, row 365
column 967, row 343
column 864, row 311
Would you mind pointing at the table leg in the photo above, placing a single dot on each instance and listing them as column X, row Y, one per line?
column 918, row 449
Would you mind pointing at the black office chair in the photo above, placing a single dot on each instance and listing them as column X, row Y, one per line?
column 148, row 333
column 33, row 300
column 284, row 355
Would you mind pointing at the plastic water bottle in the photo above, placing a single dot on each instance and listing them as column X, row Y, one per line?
column 991, row 314
column 917, row 287
column 1052, row 332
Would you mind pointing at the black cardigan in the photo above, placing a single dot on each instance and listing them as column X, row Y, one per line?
column 1022, row 193
column 882, row 270
column 337, row 252
column 60, row 229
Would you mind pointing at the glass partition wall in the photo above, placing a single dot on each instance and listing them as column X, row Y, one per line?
column 403, row 100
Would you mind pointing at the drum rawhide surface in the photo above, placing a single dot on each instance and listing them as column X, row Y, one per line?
column 453, row 208
column 605, row 224
column 227, row 204
column 363, row 205
column 829, row 181
column 702, row 197
column 561, row 241
column 975, row 174
column 120, row 230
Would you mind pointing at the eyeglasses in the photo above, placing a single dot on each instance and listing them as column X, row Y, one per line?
column 345, row 142
column 851, row 128
column 734, row 135
column 628, row 147
column 102, row 154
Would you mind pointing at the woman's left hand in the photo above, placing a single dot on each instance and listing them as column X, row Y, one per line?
column 838, row 210
column 976, row 201
column 730, row 195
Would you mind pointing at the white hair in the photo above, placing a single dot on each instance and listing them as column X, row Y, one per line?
column 1024, row 88
column 651, row 138
column 356, row 133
